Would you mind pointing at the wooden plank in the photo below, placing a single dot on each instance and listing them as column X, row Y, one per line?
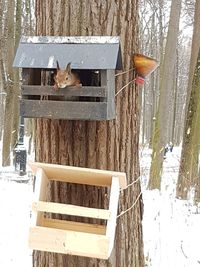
column 90, row 91
column 108, row 79
column 67, row 209
column 74, row 226
column 113, row 207
column 111, row 94
column 79, row 175
column 68, row 242
column 63, row 110
column 40, row 193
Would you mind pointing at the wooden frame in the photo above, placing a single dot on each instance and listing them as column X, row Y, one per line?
column 94, row 102
column 65, row 110
column 91, row 91
column 60, row 236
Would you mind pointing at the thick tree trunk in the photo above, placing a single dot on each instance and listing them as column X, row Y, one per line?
column 109, row 145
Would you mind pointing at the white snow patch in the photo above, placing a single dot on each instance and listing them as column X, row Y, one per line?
column 170, row 226
column 15, row 199
column 15, row 205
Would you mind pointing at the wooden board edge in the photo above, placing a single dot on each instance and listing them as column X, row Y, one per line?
column 113, row 207
column 81, row 170
column 74, row 226
column 68, row 209
column 68, row 242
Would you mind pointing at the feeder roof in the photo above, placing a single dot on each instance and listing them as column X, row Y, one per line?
column 84, row 52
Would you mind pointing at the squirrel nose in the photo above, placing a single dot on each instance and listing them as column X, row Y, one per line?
column 62, row 85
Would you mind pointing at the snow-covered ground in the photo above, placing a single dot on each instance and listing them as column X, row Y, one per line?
column 171, row 227
column 15, row 199
column 15, row 205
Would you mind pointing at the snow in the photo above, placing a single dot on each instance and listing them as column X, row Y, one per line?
column 15, row 205
column 170, row 226
column 15, row 199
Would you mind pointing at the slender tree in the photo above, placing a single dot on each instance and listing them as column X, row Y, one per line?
column 105, row 145
column 2, row 70
column 188, row 172
column 16, row 85
column 160, row 136
column 8, row 130
column 28, row 29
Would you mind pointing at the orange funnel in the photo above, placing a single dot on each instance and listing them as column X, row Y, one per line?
column 143, row 66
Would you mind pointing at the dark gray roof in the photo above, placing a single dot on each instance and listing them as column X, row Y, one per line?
column 84, row 52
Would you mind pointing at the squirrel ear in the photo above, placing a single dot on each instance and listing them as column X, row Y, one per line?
column 68, row 68
column 58, row 67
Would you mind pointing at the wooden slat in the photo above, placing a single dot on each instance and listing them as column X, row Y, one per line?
column 111, row 94
column 68, row 242
column 108, row 78
column 113, row 207
column 79, row 175
column 40, row 193
column 73, row 210
column 90, row 91
column 74, row 226
column 63, row 110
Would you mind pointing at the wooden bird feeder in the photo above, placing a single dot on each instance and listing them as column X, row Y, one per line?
column 70, row 237
column 93, row 58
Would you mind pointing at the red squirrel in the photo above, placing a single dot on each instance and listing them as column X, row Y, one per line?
column 66, row 77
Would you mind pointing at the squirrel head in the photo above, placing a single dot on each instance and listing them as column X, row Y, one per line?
column 64, row 78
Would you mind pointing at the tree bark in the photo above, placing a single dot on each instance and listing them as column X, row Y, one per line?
column 109, row 145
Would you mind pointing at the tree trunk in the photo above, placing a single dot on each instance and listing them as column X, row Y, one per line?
column 160, row 136
column 195, row 47
column 175, row 100
column 188, row 175
column 7, row 133
column 16, row 86
column 109, row 145
column 2, row 72
column 189, row 162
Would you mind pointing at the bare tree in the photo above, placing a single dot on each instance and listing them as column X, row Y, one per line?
column 2, row 69
column 11, row 29
column 189, row 170
column 161, row 132
column 8, row 117
column 16, row 76
column 188, row 173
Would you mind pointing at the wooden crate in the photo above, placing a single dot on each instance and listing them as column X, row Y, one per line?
column 69, row 237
